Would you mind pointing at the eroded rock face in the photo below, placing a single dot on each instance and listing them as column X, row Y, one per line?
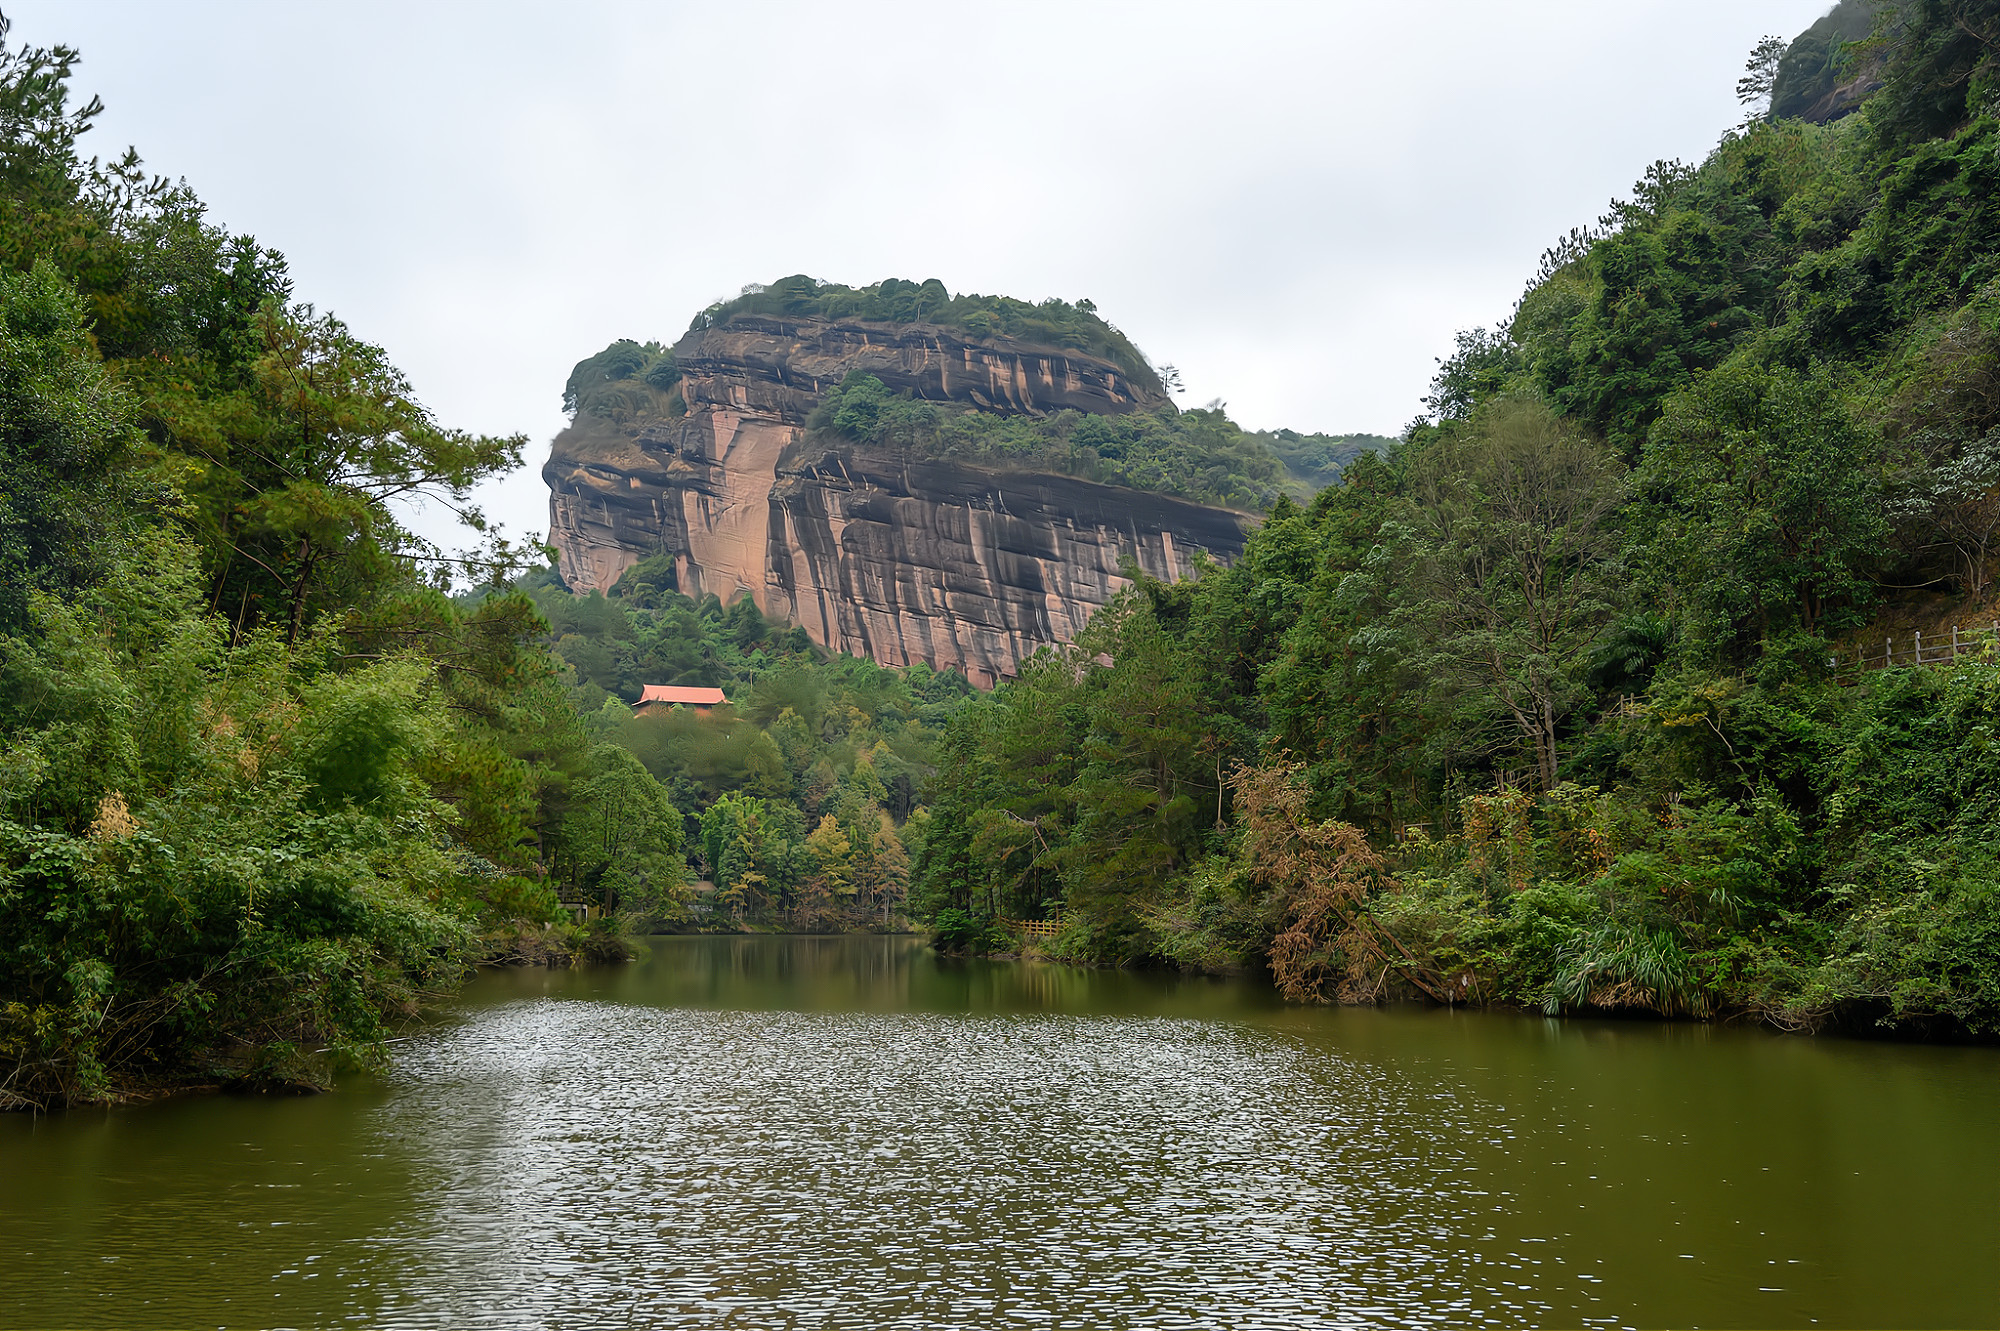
column 901, row 559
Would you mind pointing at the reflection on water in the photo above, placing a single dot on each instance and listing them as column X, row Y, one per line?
column 848, row 1132
column 874, row 974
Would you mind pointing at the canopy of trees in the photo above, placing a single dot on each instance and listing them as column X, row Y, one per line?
column 266, row 786
column 802, row 792
column 1050, row 323
column 1577, row 659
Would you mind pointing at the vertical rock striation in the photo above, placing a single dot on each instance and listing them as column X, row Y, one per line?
column 873, row 553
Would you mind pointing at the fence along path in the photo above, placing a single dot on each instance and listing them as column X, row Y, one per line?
column 1978, row 645
column 1960, row 646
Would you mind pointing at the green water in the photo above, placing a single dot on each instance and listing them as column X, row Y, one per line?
column 777, row 1132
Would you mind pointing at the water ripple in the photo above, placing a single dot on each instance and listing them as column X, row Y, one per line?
column 632, row 1166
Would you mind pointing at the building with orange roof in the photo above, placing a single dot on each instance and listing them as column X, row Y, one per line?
column 659, row 697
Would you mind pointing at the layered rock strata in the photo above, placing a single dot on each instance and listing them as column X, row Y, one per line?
column 873, row 552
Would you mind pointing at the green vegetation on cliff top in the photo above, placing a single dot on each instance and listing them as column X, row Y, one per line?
column 1199, row 454
column 1049, row 323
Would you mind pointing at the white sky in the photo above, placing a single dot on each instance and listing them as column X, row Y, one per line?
column 1296, row 204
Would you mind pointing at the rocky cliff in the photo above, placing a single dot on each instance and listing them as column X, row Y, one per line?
column 875, row 552
column 1819, row 78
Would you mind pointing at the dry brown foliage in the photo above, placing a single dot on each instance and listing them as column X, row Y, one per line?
column 1318, row 874
column 115, row 819
column 1498, row 828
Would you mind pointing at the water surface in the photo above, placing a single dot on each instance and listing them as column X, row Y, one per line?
column 806, row 1132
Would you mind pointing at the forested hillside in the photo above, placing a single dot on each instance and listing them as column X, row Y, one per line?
column 801, row 794
column 265, row 785
column 1562, row 701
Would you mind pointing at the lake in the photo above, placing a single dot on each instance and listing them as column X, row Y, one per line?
column 853, row 1132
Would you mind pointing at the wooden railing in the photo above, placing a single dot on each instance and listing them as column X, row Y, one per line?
column 1909, row 653
column 1916, row 650
column 579, row 907
column 1037, row 929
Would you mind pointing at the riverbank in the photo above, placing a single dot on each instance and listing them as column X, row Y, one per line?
column 1407, row 947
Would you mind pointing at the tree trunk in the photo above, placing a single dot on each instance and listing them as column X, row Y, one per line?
column 310, row 557
column 1545, row 744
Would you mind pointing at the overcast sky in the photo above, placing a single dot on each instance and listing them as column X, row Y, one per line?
column 1296, row 204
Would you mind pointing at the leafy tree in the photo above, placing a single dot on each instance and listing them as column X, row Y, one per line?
column 753, row 853
column 299, row 468
column 830, row 874
column 1957, row 501
column 1513, row 567
column 63, row 424
column 40, row 182
column 621, row 844
column 1760, row 75
column 1482, row 363
column 1763, row 501
column 1944, row 421
column 1316, row 875
column 883, row 871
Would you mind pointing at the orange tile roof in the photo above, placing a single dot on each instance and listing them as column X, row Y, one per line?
column 672, row 693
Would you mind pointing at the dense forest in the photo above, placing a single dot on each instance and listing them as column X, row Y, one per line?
column 1598, row 690
column 266, row 784
column 801, row 794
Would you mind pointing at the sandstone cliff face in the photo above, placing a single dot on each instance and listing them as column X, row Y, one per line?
column 901, row 559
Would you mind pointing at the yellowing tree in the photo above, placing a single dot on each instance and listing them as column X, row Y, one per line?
column 831, row 878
